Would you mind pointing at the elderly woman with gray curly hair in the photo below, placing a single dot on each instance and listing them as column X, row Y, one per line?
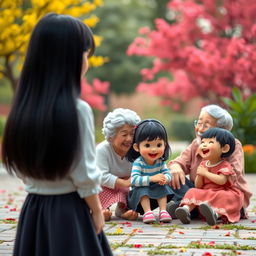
column 118, row 129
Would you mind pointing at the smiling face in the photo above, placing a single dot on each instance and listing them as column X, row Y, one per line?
column 205, row 121
column 210, row 149
column 150, row 150
column 122, row 140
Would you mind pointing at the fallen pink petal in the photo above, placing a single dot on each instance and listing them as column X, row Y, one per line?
column 206, row 254
column 212, row 243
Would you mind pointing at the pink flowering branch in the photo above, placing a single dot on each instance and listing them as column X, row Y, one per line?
column 94, row 93
column 208, row 49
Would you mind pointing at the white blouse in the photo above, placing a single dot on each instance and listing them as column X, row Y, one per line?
column 84, row 178
column 111, row 164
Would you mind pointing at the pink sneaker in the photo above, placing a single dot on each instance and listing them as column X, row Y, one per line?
column 164, row 216
column 149, row 217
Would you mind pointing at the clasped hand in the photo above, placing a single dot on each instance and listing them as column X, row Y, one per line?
column 159, row 178
column 201, row 170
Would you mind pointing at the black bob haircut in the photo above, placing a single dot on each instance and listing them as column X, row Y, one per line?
column 223, row 136
column 149, row 129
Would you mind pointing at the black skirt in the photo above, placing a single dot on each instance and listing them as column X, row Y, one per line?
column 58, row 225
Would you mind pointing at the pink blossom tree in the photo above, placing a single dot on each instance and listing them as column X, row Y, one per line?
column 208, row 47
column 94, row 93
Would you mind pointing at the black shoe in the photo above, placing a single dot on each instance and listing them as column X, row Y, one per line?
column 183, row 215
column 209, row 214
column 171, row 208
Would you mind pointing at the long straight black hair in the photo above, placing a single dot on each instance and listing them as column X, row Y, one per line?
column 148, row 129
column 42, row 138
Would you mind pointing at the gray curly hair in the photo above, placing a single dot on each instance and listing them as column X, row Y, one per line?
column 117, row 118
column 224, row 119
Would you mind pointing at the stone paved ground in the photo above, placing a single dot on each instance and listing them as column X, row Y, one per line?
column 136, row 238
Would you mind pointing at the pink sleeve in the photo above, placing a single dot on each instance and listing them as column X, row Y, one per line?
column 237, row 162
column 185, row 159
column 226, row 169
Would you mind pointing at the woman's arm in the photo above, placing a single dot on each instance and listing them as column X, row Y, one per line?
column 237, row 161
column 102, row 163
column 96, row 210
column 180, row 166
column 123, row 183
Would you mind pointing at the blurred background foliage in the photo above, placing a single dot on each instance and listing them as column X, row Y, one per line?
column 115, row 25
column 119, row 25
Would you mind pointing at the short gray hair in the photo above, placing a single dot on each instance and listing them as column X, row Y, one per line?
column 117, row 118
column 224, row 119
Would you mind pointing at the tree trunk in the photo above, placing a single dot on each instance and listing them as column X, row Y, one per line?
column 9, row 73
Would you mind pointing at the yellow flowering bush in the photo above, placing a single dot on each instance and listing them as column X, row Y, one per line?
column 18, row 18
column 250, row 158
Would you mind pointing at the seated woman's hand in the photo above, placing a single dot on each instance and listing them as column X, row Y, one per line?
column 123, row 182
column 178, row 176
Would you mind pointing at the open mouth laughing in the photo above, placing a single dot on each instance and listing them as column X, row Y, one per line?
column 205, row 151
column 153, row 155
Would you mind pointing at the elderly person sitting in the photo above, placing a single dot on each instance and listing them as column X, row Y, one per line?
column 118, row 129
column 189, row 160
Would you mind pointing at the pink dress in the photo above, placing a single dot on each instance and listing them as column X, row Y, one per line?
column 190, row 159
column 226, row 200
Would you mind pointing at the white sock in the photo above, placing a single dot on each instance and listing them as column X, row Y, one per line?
column 186, row 206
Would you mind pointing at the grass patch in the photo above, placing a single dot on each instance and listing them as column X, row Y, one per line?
column 220, row 246
column 227, row 227
column 8, row 221
column 115, row 234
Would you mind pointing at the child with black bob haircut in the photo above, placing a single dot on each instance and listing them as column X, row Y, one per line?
column 150, row 175
column 215, row 193
column 49, row 143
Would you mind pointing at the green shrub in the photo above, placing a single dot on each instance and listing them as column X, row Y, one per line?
column 243, row 112
column 182, row 129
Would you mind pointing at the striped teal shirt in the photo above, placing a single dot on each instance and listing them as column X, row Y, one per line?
column 141, row 171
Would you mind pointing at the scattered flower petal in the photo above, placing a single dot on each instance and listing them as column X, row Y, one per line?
column 206, row 254
column 181, row 233
column 137, row 246
column 227, row 234
column 119, row 230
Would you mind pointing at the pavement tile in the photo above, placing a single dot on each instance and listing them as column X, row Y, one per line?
column 117, row 239
column 4, row 227
column 135, row 237
column 121, row 251
column 147, row 239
